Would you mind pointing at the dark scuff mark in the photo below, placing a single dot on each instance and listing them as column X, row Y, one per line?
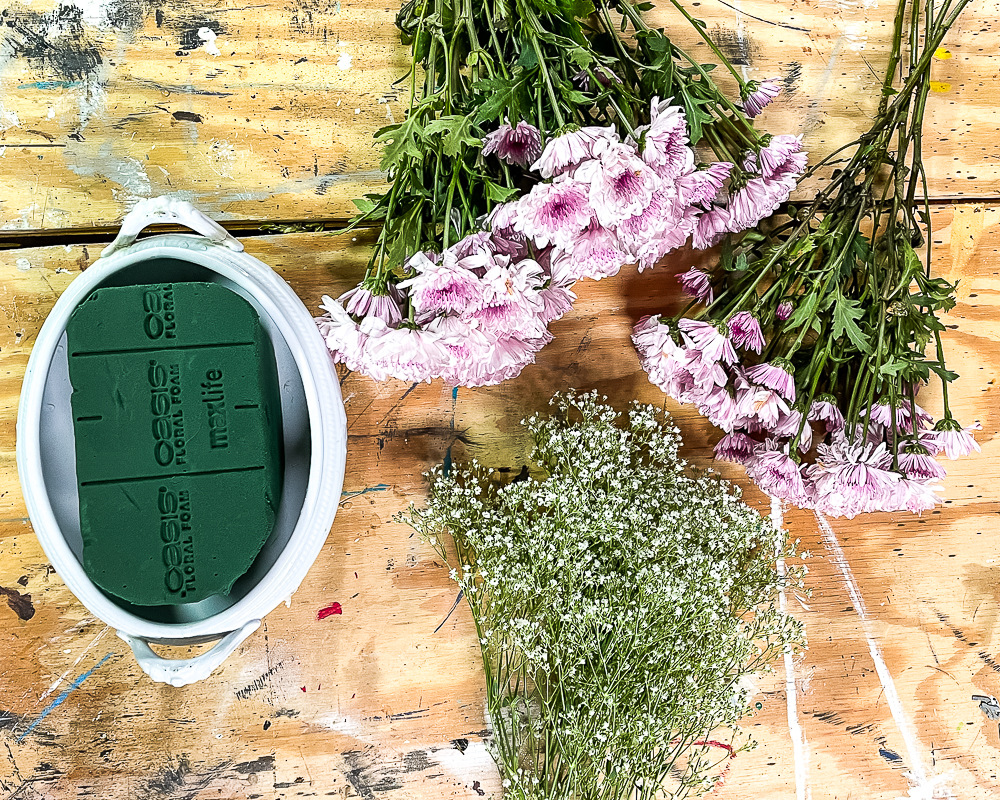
column 128, row 15
column 54, row 43
column 765, row 21
column 417, row 713
column 478, row 789
column 368, row 773
column 358, row 764
column 988, row 705
column 262, row 764
column 8, row 719
column 187, row 116
column 461, row 744
column 183, row 781
column 19, row 603
column 23, row 580
column 988, row 660
column 830, row 717
column 461, row 594
column 259, row 683
column 792, row 78
column 170, row 778
column 893, row 758
column 740, row 50
column 168, row 90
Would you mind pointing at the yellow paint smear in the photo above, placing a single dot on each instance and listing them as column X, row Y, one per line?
column 940, row 86
column 943, row 53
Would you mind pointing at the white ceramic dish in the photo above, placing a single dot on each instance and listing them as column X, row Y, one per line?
column 313, row 421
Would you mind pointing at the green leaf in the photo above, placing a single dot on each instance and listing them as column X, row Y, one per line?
column 528, row 58
column 845, row 314
column 500, row 95
column 401, row 140
column 455, row 131
column 804, row 312
column 499, row 194
column 364, row 205
column 911, row 260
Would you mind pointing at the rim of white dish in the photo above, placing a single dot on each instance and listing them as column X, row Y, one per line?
column 325, row 409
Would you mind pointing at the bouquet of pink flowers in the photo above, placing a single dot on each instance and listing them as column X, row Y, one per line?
column 488, row 224
column 808, row 349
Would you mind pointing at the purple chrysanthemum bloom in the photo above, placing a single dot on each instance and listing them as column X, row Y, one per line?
column 697, row 283
column 448, row 287
column 954, row 440
column 555, row 213
column 571, row 148
column 775, row 375
column 520, row 145
column 778, row 475
column 595, row 253
column 784, row 310
column 744, row 329
column 852, row 478
column 757, row 95
column 665, row 144
column 780, row 160
column 918, row 464
column 621, row 184
column 912, row 496
column 757, row 199
column 719, row 407
column 824, row 409
column 735, row 447
column 711, row 227
column 762, row 405
column 712, row 344
column 382, row 302
column 791, row 425
column 702, row 186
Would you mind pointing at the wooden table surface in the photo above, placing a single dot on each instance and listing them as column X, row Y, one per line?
column 104, row 102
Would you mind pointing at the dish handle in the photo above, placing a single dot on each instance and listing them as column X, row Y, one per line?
column 181, row 672
column 159, row 210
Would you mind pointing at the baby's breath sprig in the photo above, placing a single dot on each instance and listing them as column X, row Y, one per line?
column 620, row 599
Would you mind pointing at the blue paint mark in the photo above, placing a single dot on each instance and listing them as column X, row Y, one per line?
column 461, row 594
column 380, row 488
column 61, row 698
column 891, row 757
column 50, row 85
column 446, row 467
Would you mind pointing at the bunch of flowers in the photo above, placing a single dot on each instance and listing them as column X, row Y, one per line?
column 621, row 603
column 488, row 224
column 806, row 342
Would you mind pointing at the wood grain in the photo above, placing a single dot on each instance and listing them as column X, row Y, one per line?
column 129, row 102
column 386, row 699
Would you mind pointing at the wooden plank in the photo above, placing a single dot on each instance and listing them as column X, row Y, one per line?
column 386, row 699
column 129, row 102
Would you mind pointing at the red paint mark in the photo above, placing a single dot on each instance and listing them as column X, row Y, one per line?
column 712, row 743
column 329, row 611
column 303, row 688
column 354, row 695
column 355, row 574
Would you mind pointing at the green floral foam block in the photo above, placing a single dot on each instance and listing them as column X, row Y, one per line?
column 177, row 417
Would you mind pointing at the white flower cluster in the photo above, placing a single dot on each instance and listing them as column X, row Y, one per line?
column 619, row 599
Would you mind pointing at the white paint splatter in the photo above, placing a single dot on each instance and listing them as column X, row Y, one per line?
column 131, row 175
column 50, row 113
column 223, row 156
column 469, row 765
column 207, row 35
column 344, row 62
column 923, row 788
column 800, row 747
column 23, row 264
column 8, row 119
column 856, row 40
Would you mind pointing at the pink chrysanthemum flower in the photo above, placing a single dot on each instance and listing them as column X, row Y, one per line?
column 467, row 346
column 556, row 301
column 595, row 253
column 902, row 419
column 916, row 463
column 784, row 310
column 362, row 302
column 342, row 335
column 409, row 354
column 824, row 409
column 711, row 227
column 744, row 329
column 697, row 283
column 852, row 478
column 702, row 186
column 712, row 344
column 665, row 144
column 781, row 160
column 775, row 375
column 764, row 405
column 520, row 145
column 757, row 95
column 447, row 287
column 638, row 230
column 756, row 200
column 719, row 407
column 574, row 147
column 791, row 425
column 621, row 184
column 508, row 356
column 555, row 213
column 774, row 471
column 735, row 447
column 511, row 304
column 912, row 496
column 954, row 440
